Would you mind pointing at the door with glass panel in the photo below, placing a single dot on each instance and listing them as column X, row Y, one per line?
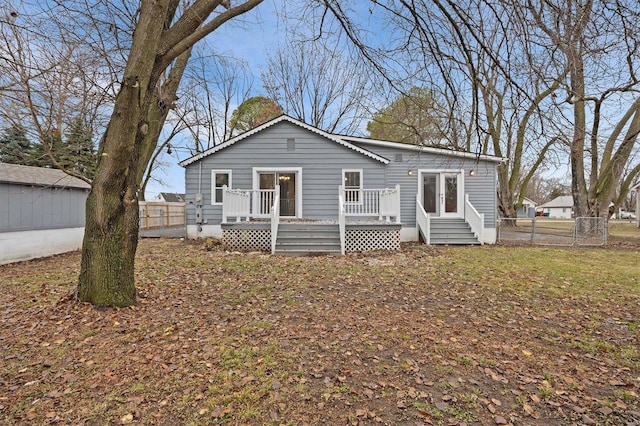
column 287, row 182
column 441, row 194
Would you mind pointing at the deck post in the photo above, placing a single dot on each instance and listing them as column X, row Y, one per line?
column 398, row 203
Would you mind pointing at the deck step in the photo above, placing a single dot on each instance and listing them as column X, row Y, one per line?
column 299, row 239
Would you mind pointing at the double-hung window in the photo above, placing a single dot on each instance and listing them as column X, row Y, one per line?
column 352, row 179
column 219, row 179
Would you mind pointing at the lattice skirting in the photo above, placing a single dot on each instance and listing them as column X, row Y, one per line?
column 246, row 239
column 372, row 239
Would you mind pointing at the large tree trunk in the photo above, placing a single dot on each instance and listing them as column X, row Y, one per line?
column 111, row 229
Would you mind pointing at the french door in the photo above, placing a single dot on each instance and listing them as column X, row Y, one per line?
column 442, row 193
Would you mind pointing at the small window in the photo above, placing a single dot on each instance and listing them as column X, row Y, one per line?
column 219, row 179
column 352, row 185
column 291, row 144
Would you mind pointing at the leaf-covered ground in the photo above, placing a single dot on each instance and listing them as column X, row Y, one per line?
column 469, row 335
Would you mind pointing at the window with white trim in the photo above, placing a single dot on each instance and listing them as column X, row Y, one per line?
column 219, row 179
column 352, row 180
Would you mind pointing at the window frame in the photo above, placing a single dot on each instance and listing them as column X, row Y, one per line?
column 358, row 201
column 214, row 173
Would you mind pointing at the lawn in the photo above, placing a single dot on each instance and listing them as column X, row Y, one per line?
column 470, row 335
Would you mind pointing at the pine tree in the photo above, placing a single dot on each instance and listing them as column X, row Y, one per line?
column 77, row 153
column 15, row 147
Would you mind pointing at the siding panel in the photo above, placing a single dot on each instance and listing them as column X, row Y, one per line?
column 322, row 162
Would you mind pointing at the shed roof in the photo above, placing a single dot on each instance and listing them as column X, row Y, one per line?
column 561, row 201
column 40, row 176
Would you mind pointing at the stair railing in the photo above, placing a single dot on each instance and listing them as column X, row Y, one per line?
column 423, row 222
column 473, row 218
column 341, row 219
column 275, row 219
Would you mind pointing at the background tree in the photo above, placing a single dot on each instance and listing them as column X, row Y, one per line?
column 251, row 113
column 318, row 82
column 414, row 117
column 15, row 147
column 50, row 82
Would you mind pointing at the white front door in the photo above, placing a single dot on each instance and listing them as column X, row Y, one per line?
column 289, row 179
column 442, row 193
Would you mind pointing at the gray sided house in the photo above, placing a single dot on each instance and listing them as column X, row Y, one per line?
column 41, row 212
column 527, row 209
column 289, row 187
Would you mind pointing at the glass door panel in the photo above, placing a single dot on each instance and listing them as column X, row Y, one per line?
column 287, row 182
column 265, row 196
column 430, row 193
column 451, row 193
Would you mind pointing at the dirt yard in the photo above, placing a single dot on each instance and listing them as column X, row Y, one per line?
column 443, row 336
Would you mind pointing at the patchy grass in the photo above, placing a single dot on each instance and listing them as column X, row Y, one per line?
column 528, row 335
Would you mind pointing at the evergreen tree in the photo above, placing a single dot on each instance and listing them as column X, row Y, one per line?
column 15, row 147
column 77, row 153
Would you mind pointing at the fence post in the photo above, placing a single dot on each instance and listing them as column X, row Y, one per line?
column 533, row 229
column 168, row 215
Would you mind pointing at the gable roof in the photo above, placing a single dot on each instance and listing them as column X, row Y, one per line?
column 40, row 176
column 422, row 148
column 172, row 197
column 561, row 201
column 284, row 118
column 528, row 201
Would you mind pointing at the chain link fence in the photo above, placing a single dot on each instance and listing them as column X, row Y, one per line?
column 583, row 231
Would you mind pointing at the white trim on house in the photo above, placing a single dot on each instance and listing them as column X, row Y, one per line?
column 277, row 120
column 296, row 170
column 422, row 148
column 344, row 180
column 215, row 172
column 443, row 172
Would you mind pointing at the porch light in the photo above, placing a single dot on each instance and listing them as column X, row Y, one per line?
column 409, row 172
column 472, row 172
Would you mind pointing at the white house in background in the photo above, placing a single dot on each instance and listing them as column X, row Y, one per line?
column 41, row 212
column 560, row 207
column 527, row 209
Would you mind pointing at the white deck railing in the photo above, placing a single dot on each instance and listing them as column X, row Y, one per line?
column 380, row 203
column 473, row 218
column 247, row 203
column 275, row 220
column 341, row 220
column 423, row 221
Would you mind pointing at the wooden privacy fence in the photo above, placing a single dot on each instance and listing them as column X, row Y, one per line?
column 159, row 214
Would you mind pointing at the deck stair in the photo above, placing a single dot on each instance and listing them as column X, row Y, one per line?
column 302, row 238
column 452, row 231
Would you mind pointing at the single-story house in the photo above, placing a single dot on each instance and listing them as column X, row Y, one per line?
column 42, row 212
column 527, row 209
column 286, row 186
column 560, row 207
